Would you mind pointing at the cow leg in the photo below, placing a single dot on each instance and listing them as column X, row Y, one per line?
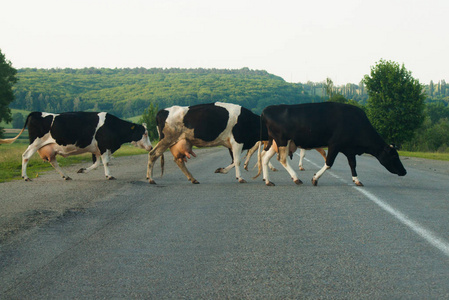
column 29, row 152
column 153, row 155
column 56, row 166
column 272, row 168
column 302, row 153
column 331, row 155
column 249, row 154
column 265, row 160
column 322, row 152
column 283, row 154
column 236, row 152
column 181, row 164
column 105, row 158
column 226, row 170
column 352, row 164
column 93, row 166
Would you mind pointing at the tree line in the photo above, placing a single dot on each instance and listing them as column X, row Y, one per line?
column 414, row 115
column 127, row 92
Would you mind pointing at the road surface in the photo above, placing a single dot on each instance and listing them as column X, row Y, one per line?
column 126, row 239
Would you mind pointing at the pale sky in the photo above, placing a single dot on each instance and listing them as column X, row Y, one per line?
column 295, row 39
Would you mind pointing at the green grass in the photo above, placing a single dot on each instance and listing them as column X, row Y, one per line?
column 426, row 155
column 11, row 160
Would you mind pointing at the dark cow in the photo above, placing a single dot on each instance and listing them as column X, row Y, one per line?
column 341, row 127
column 79, row 132
column 204, row 125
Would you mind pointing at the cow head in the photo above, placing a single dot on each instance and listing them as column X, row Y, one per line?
column 144, row 141
column 389, row 158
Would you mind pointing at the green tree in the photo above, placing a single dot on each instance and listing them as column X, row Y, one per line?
column 396, row 101
column 7, row 79
column 18, row 120
column 329, row 87
column 431, row 88
column 149, row 117
column 337, row 97
column 437, row 111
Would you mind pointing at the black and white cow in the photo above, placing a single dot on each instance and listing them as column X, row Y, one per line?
column 204, row 125
column 341, row 127
column 75, row 133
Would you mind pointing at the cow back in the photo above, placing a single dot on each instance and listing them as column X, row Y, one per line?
column 208, row 121
column 320, row 124
column 75, row 128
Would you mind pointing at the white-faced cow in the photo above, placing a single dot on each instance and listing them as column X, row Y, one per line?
column 341, row 127
column 204, row 125
column 74, row 133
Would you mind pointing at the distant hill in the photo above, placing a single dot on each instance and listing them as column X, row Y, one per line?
column 127, row 92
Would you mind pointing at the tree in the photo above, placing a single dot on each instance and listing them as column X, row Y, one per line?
column 17, row 121
column 431, row 88
column 437, row 111
column 338, row 98
column 7, row 79
column 396, row 101
column 329, row 86
column 149, row 117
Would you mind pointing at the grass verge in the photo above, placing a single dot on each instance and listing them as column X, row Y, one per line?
column 426, row 155
column 11, row 160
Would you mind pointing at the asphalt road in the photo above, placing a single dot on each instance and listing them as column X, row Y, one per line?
column 222, row 239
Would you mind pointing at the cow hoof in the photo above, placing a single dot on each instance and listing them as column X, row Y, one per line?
column 241, row 180
column 152, row 181
column 219, row 170
column 314, row 181
column 194, row 181
column 111, row 178
column 66, row 178
column 27, row 179
column 269, row 183
column 81, row 170
column 298, row 182
column 301, row 169
column 358, row 183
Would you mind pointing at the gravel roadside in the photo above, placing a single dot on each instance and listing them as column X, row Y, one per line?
column 26, row 205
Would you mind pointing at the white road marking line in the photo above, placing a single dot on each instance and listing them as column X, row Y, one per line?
column 424, row 233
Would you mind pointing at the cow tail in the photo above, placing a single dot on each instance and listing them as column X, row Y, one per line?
column 259, row 160
column 12, row 140
column 162, row 164
column 259, row 154
column 159, row 132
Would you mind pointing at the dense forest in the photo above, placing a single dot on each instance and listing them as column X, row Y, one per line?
column 127, row 92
